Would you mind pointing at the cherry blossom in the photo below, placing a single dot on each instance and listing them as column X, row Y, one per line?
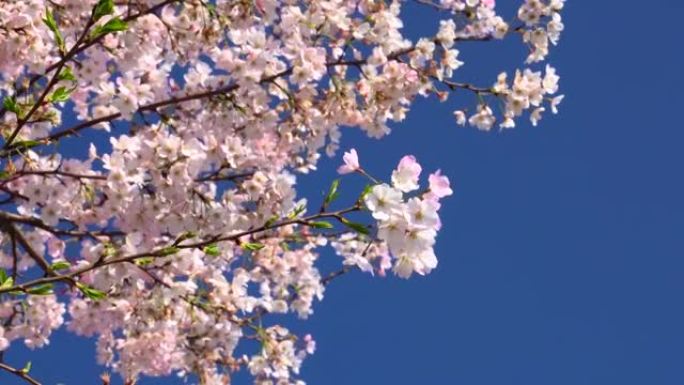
column 351, row 162
column 405, row 177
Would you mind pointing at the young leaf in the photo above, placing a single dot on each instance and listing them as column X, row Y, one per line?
column 272, row 220
column 10, row 104
column 61, row 265
column 321, row 225
column 365, row 192
column 144, row 261
column 332, row 192
column 61, row 94
column 252, row 246
column 7, row 282
column 103, row 8
column 168, row 251
column 25, row 144
column 26, row 368
column 185, row 236
column 50, row 22
column 113, row 25
column 108, row 250
column 211, row 8
column 295, row 213
column 90, row 292
column 41, row 290
column 212, row 250
column 358, row 227
column 66, row 74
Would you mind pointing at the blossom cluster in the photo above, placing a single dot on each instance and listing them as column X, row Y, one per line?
column 529, row 90
column 174, row 239
column 406, row 225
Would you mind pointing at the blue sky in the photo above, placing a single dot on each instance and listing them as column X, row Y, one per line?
column 561, row 255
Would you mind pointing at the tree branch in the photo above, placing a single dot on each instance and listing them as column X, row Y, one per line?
column 13, row 232
column 19, row 373
column 164, row 251
column 55, row 78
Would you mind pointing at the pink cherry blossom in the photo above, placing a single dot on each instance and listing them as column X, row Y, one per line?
column 489, row 3
column 351, row 162
column 405, row 177
column 439, row 184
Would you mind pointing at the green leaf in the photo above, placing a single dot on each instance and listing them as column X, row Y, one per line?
column 90, row 292
column 358, row 227
column 41, row 290
column 103, row 8
column 27, row 368
column 252, row 246
column 144, row 261
column 272, row 220
column 185, row 236
column 212, row 250
column 108, row 250
column 113, row 25
column 4, row 174
column 10, row 104
column 211, row 9
column 365, row 191
column 168, row 251
column 50, row 22
column 25, row 144
column 321, row 225
column 66, row 74
column 7, row 282
column 295, row 213
column 61, row 265
column 332, row 192
column 61, row 94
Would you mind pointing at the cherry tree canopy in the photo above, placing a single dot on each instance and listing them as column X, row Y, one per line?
column 175, row 244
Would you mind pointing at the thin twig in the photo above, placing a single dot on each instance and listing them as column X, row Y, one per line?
column 19, row 373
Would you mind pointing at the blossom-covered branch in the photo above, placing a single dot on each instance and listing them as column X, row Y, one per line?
column 149, row 152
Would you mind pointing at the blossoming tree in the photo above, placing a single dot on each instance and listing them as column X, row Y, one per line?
column 175, row 242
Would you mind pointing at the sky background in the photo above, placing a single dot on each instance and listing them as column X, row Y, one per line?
column 561, row 251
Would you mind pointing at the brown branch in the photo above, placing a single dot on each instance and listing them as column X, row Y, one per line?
column 217, row 177
column 452, row 85
column 16, row 234
column 15, row 260
column 180, row 99
column 328, row 278
column 8, row 150
column 214, row 177
column 163, row 252
column 189, row 299
column 12, row 195
column 20, row 174
column 35, row 222
column 19, row 373
column 55, row 78
column 130, row 18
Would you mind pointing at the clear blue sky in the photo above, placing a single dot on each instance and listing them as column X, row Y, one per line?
column 562, row 252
